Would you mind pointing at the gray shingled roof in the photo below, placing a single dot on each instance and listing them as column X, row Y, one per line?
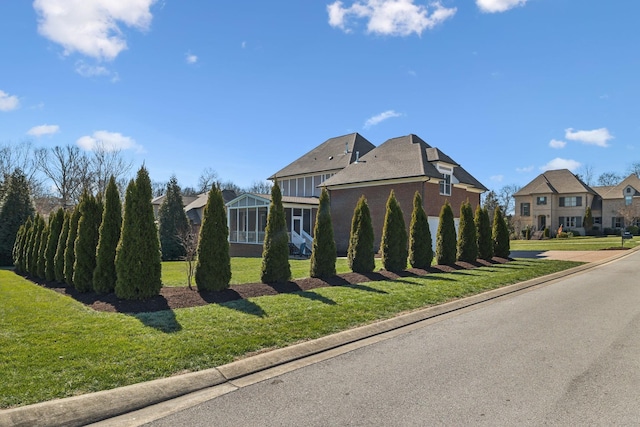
column 615, row 191
column 328, row 156
column 560, row 181
column 403, row 157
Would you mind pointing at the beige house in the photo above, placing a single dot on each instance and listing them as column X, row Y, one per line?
column 559, row 198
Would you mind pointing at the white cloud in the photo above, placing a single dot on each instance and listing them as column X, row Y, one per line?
column 8, row 102
column 372, row 121
column 110, row 141
column 191, row 58
column 91, row 27
column 599, row 137
column 389, row 17
column 43, row 130
column 493, row 6
column 524, row 169
column 559, row 163
column 496, row 178
column 244, row 44
column 86, row 70
column 554, row 143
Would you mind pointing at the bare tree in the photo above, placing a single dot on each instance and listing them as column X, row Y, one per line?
column 609, row 179
column 490, row 201
column 207, row 178
column 586, row 174
column 106, row 163
column 21, row 156
column 188, row 239
column 260, row 187
column 505, row 198
column 634, row 168
column 230, row 185
column 158, row 188
column 68, row 169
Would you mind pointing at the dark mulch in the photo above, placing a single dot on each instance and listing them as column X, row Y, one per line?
column 171, row 298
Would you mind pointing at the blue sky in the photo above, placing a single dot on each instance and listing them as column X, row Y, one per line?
column 506, row 88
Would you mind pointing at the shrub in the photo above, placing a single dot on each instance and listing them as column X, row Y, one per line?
column 467, row 235
column 323, row 254
column 34, row 245
column 86, row 242
column 563, row 235
column 420, row 249
column 275, row 252
column 446, row 250
column 62, row 244
column 546, row 233
column 55, row 228
column 173, row 222
column 70, row 250
column 500, row 235
column 15, row 208
column 104, row 276
column 213, row 269
column 633, row 230
column 42, row 248
column 393, row 245
column 360, row 253
column 483, row 226
column 18, row 247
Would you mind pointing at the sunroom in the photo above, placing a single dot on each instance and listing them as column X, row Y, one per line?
column 247, row 220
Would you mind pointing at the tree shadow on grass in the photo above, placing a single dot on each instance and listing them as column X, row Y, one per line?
column 315, row 297
column 163, row 321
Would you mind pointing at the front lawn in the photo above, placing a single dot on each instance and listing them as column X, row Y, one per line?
column 573, row 244
column 52, row 346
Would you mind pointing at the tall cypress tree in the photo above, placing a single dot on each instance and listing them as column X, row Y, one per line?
column 55, row 228
column 467, row 235
column 62, row 245
column 42, row 247
column 485, row 242
column 275, row 252
column 86, row 243
column 446, row 237
column 18, row 248
column 360, row 253
column 16, row 207
column 213, row 269
column 34, row 245
column 104, row 276
column 173, row 222
column 393, row 246
column 323, row 254
column 500, row 235
column 70, row 249
column 138, row 262
column 420, row 249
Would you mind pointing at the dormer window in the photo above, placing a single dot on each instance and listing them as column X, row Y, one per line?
column 445, row 184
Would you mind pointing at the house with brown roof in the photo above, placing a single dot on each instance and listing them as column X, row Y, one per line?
column 560, row 198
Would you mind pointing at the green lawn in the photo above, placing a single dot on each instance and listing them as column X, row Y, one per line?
column 246, row 270
column 52, row 346
column 573, row 244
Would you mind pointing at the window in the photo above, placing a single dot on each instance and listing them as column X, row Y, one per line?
column 572, row 201
column 570, row 221
column 541, row 200
column 597, row 220
column 628, row 200
column 445, row 185
column 617, row 222
column 525, row 209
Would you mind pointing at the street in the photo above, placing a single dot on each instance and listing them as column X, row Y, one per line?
column 562, row 354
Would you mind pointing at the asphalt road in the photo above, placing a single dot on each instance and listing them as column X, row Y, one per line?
column 563, row 354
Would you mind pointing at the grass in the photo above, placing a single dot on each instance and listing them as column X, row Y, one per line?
column 573, row 244
column 52, row 346
column 246, row 270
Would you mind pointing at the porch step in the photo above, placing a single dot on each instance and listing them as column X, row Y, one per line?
column 537, row 235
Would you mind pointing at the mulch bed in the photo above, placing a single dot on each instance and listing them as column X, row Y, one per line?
column 171, row 298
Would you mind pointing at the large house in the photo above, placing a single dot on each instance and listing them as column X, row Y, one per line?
column 559, row 198
column 349, row 166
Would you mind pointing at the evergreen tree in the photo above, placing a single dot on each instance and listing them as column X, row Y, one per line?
column 323, row 254
column 86, row 242
column 485, row 242
column 500, row 235
column 104, row 276
column 420, row 249
column 360, row 253
column 467, row 235
column 446, row 237
column 393, row 245
column 275, row 252
column 588, row 220
column 138, row 261
column 15, row 208
column 173, row 222
column 213, row 269
column 18, row 248
column 42, row 247
column 70, row 249
column 62, row 244
column 34, row 245
column 55, row 228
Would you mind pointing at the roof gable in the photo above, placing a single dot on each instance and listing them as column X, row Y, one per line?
column 333, row 154
column 617, row 191
column 560, row 181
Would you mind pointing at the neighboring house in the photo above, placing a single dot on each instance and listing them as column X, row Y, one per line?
column 405, row 165
column 157, row 201
column 195, row 209
column 558, row 197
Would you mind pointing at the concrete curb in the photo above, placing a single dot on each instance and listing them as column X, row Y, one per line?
column 94, row 407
